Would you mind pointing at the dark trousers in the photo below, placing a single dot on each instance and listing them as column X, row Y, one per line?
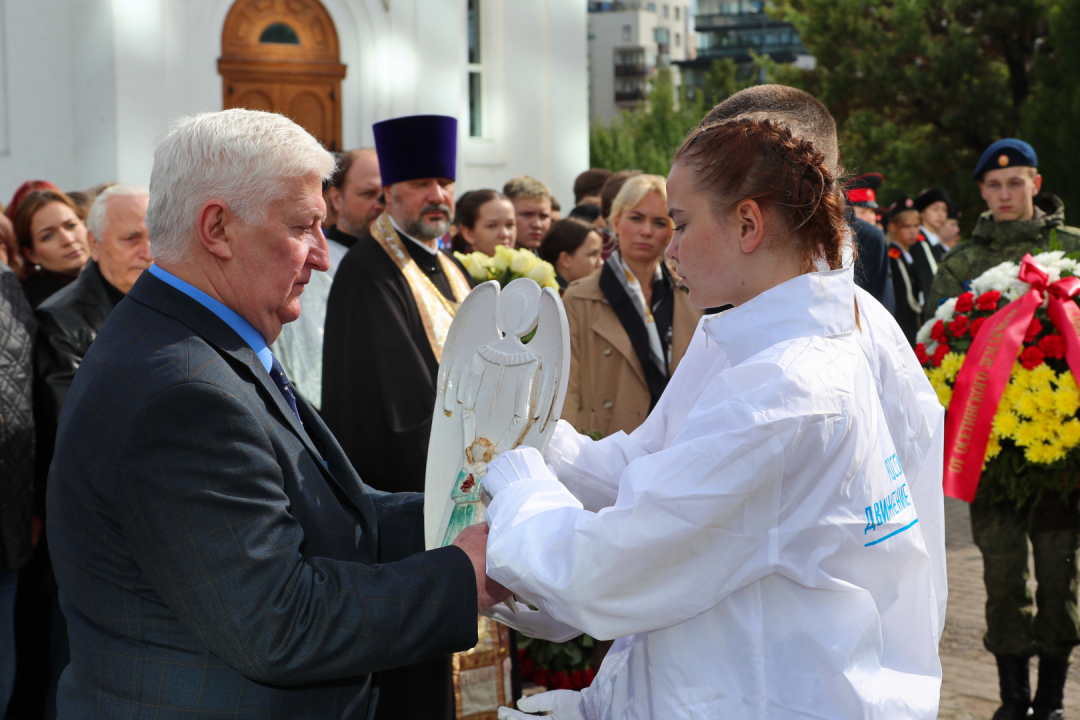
column 1001, row 533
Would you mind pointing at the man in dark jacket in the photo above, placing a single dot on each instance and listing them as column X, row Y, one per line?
column 17, row 459
column 217, row 554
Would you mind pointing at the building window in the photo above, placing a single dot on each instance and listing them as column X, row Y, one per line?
column 279, row 34
column 678, row 40
column 476, row 106
column 677, row 8
column 651, row 7
column 667, row 11
column 626, row 32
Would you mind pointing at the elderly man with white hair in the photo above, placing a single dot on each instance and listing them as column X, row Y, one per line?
column 216, row 553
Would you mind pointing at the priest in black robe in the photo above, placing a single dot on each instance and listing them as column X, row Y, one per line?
column 389, row 308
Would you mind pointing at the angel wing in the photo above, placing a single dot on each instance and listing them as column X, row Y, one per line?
column 552, row 345
column 474, row 325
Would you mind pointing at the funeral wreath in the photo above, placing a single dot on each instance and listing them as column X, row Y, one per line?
column 1002, row 359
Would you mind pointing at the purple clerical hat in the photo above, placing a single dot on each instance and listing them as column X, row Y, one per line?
column 416, row 146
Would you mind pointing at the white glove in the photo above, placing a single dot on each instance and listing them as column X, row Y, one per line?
column 522, row 463
column 562, row 704
column 531, row 623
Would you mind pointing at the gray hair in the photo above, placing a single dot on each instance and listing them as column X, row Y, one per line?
column 245, row 158
column 95, row 220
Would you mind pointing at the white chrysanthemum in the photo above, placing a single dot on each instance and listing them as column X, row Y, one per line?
column 923, row 336
column 946, row 310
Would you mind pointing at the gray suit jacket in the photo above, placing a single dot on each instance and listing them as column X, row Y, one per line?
column 215, row 557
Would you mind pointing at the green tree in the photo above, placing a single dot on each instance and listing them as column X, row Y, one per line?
column 919, row 88
column 1051, row 119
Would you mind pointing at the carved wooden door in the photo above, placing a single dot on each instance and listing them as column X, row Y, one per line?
column 282, row 56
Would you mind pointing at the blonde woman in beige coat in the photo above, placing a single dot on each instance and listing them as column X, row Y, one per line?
column 630, row 321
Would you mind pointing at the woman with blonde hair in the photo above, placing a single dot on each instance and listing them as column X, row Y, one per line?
column 630, row 321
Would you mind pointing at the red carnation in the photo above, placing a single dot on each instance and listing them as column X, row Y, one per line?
column 1033, row 331
column 975, row 325
column 560, row 680
column 940, row 352
column 965, row 302
column 577, row 680
column 541, row 677
column 988, row 300
column 1032, row 357
column 528, row 668
column 921, row 354
column 959, row 326
column 590, row 674
column 894, row 253
column 937, row 333
column 1053, row 346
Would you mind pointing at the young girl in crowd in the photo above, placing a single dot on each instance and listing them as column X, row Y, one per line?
column 52, row 238
column 572, row 246
column 484, row 218
column 753, row 545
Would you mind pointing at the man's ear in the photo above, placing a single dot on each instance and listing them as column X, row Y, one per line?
column 1038, row 184
column 750, row 223
column 213, row 221
column 94, row 245
column 334, row 195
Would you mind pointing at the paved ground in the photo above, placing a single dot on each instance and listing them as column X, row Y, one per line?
column 969, row 687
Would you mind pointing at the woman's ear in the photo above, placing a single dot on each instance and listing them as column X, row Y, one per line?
column 29, row 254
column 466, row 234
column 750, row 223
column 562, row 261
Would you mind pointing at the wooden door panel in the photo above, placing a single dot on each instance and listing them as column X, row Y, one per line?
column 252, row 95
column 311, row 107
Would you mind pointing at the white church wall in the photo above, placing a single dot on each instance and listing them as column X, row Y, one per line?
column 96, row 81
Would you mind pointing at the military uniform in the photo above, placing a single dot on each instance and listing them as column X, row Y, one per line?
column 994, row 243
column 1015, row 632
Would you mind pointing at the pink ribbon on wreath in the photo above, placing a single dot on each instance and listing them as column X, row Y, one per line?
column 989, row 362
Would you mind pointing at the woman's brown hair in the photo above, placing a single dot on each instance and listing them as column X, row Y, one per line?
column 758, row 159
column 28, row 207
column 564, row 236
column 467, row 212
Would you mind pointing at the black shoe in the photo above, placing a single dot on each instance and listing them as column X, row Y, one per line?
column 1015, row 688
column 1049, row 698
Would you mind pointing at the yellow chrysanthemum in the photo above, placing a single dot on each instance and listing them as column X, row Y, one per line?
column 1013, row 393
column 1025, row 434
column 1005, row 422
column 1044, row 395
column 1066, row 381
column 1027, row 404
column 935, row 376
column 1042, row 374
column 1066, row 401
column 1021, row 377
column 944, row 394
column 1069, row 433
column 950, row 365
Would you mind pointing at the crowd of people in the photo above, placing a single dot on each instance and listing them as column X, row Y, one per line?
column 363, row 358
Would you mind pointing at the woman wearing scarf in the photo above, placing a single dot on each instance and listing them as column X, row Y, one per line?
column 630, row 321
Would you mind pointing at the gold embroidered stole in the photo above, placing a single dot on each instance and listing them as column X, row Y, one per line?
column 436, row 312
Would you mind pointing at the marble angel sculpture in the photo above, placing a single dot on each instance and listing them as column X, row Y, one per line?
column 494, row 393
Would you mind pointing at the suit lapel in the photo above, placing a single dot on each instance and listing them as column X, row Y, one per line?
column 159, row 295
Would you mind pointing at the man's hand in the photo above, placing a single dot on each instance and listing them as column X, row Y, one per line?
column 473, row 540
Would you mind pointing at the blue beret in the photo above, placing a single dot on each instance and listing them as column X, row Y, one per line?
column 416, row 146
column 1009, row 152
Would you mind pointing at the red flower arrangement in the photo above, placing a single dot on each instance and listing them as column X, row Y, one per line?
column 894, row 253
column 554, row 679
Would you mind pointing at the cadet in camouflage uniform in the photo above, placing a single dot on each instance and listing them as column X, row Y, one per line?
column 1020, row 220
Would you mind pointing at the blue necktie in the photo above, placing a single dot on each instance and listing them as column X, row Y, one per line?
column 277, row 374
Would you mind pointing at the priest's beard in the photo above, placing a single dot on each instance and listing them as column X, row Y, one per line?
column 417, row 228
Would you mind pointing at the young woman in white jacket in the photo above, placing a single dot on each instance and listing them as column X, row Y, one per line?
column 754, row 545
